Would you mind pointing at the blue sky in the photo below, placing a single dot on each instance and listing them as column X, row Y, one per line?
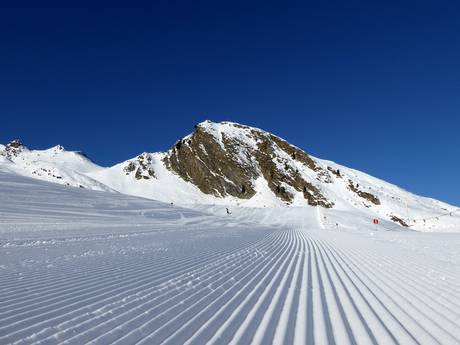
column 374, row 86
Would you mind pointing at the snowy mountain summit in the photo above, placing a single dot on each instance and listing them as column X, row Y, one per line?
column 230, row 164
column 229, row 159
column 54, row 164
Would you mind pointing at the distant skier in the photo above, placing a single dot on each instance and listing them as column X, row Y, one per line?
column 228, row 211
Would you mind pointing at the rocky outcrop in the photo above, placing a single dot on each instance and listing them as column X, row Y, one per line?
column 13, row 149
column 46, row 172
column 231, row 160
column 280, row 178
column 212, row 166
column 140, row 167
column 365, row 195
column 399, row 221
column 336, row 172
column 227, row 164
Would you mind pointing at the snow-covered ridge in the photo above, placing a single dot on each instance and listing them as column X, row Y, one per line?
column 54, row 164
column 221, row 165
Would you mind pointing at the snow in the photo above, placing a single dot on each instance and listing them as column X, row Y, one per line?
column 91, row 267
column 54, row 165
column 167, row 187
column 231, row 130
column 74, row 169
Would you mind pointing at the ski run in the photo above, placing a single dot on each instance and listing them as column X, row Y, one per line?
column 87, row 267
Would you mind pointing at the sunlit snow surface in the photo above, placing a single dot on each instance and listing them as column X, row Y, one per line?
column 87, row 267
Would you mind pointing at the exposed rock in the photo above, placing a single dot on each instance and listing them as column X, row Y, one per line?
column 335, row 172
column 223, row 165
column 57, row 149
column 13, row 149
column 365, row 195
column 142, row 166
column 129, row 168
column 212, row 167
column 399, row 220
column 277, row 177
column 138, row 174
column 16, row 143
column 314, row 196
column 300, row 156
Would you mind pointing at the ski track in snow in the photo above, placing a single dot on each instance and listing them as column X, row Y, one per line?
column 289, row 286
column 80, row 267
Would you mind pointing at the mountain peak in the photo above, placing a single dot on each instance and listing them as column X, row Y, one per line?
column 227, row 163
column 223, row 126
column 226, row 159
column 13, row 149
column 16, row 144
column 57, row 148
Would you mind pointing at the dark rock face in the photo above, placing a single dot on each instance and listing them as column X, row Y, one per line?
column 335, row 172
column 228, row 165
column 399, row 220
column 365, row 195
column 141, row 167
column 212, row 168
column 13, row 149
column 16, row 143
column 278, row 178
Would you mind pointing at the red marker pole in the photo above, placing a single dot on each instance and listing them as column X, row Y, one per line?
column 376, row 222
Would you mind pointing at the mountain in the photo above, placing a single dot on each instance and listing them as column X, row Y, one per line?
column 54, row 165
column 228, row 164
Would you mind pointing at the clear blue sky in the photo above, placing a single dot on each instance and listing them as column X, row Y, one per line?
column 372, row 86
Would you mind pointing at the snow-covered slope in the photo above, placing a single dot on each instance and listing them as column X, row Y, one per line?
column 54, row 165
column 87, row 267
column 228, row 165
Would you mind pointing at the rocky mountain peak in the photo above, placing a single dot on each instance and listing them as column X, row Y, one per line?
column 226, row 159
column 16, row 144
column 13, row 149
column 58, row 148
column 226, row 163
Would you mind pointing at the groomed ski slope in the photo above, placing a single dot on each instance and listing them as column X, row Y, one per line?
column 85, row 267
